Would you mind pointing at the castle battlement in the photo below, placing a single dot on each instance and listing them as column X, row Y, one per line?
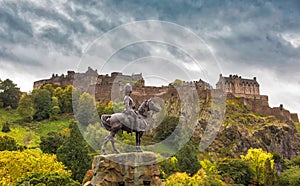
column 236, row 88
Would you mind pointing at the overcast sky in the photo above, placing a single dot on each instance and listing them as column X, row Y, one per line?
column 248, row 38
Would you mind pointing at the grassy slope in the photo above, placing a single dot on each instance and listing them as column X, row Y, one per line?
column 29, row 133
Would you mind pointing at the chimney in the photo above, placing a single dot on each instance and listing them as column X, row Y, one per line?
column 254, row 78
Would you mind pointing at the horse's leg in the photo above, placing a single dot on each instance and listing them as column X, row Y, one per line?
column 112, row 140
column 113, row 132
column 138, row 136
column 106, row 139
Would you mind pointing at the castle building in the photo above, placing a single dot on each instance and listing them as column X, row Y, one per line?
column 90, row 77
column 110, row 87
column 238, row 86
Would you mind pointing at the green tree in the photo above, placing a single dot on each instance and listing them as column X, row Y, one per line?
column 295, row 161
column 48, row 179
column 101, row 108
column 49, row 87
column 168, row 166
column 95, row 134
column 270, row 177
column 5, row 127
column 110, row 108
column 290, row 177
column 188, row 158
column 10, row 94
column 76, row 93
column 59, row 94
column 50, row 143
column 8, row 143
column 67, row 106
column 42, row 103
column 25, row 108
column 236, row 170
column 86, row 113
column 74, row 153
column 55, row 110
column 166, row 128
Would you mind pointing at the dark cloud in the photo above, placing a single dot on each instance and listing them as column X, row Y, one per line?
column 254, row 38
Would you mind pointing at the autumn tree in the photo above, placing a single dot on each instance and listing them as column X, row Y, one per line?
column 260, row 162
column 16, row 165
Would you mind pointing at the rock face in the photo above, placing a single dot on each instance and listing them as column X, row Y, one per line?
column 243, row 129
column 126, row 169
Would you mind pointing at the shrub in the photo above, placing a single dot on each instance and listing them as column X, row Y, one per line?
column 5, row 127
column 16, row 165
column 50, row 143
column 74, row 153
column 290, row 177
column 48, row 179
column 8, row 143
column 236, row 170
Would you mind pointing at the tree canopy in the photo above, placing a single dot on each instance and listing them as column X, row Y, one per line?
column 10, row 94
column 17, row 165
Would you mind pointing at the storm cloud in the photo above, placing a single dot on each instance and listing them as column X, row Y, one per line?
column 249, row 38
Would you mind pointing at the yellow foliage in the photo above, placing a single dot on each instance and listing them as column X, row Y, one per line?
column 178, row 179
column 110, row 104
column 15, row 165
column 257, row 159
column 200, row 178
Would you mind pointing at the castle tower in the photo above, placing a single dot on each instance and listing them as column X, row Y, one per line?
column 238, row 86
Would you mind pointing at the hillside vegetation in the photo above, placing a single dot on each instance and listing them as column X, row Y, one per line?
column 243, row 129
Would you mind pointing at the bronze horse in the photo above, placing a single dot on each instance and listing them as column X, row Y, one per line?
column 120, row 121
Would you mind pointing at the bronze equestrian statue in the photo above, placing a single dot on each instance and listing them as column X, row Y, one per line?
column 129, row 120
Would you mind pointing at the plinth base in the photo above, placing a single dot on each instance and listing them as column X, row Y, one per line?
column 129, row 169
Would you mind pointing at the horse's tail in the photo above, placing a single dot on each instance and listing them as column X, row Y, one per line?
column 105, row 121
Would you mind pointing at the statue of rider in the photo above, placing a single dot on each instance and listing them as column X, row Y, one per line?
column 129, row 106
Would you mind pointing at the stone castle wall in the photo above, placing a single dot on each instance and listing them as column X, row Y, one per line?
column 260, row 105
column 107, row 88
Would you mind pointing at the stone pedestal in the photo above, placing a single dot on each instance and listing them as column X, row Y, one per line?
column 129, row 169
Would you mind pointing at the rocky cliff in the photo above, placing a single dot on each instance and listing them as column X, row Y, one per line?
column 243, row 129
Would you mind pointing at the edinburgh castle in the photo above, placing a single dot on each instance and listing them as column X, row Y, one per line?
column 103, row 86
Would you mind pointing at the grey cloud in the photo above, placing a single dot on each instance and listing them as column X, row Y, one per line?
column 247, row 34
